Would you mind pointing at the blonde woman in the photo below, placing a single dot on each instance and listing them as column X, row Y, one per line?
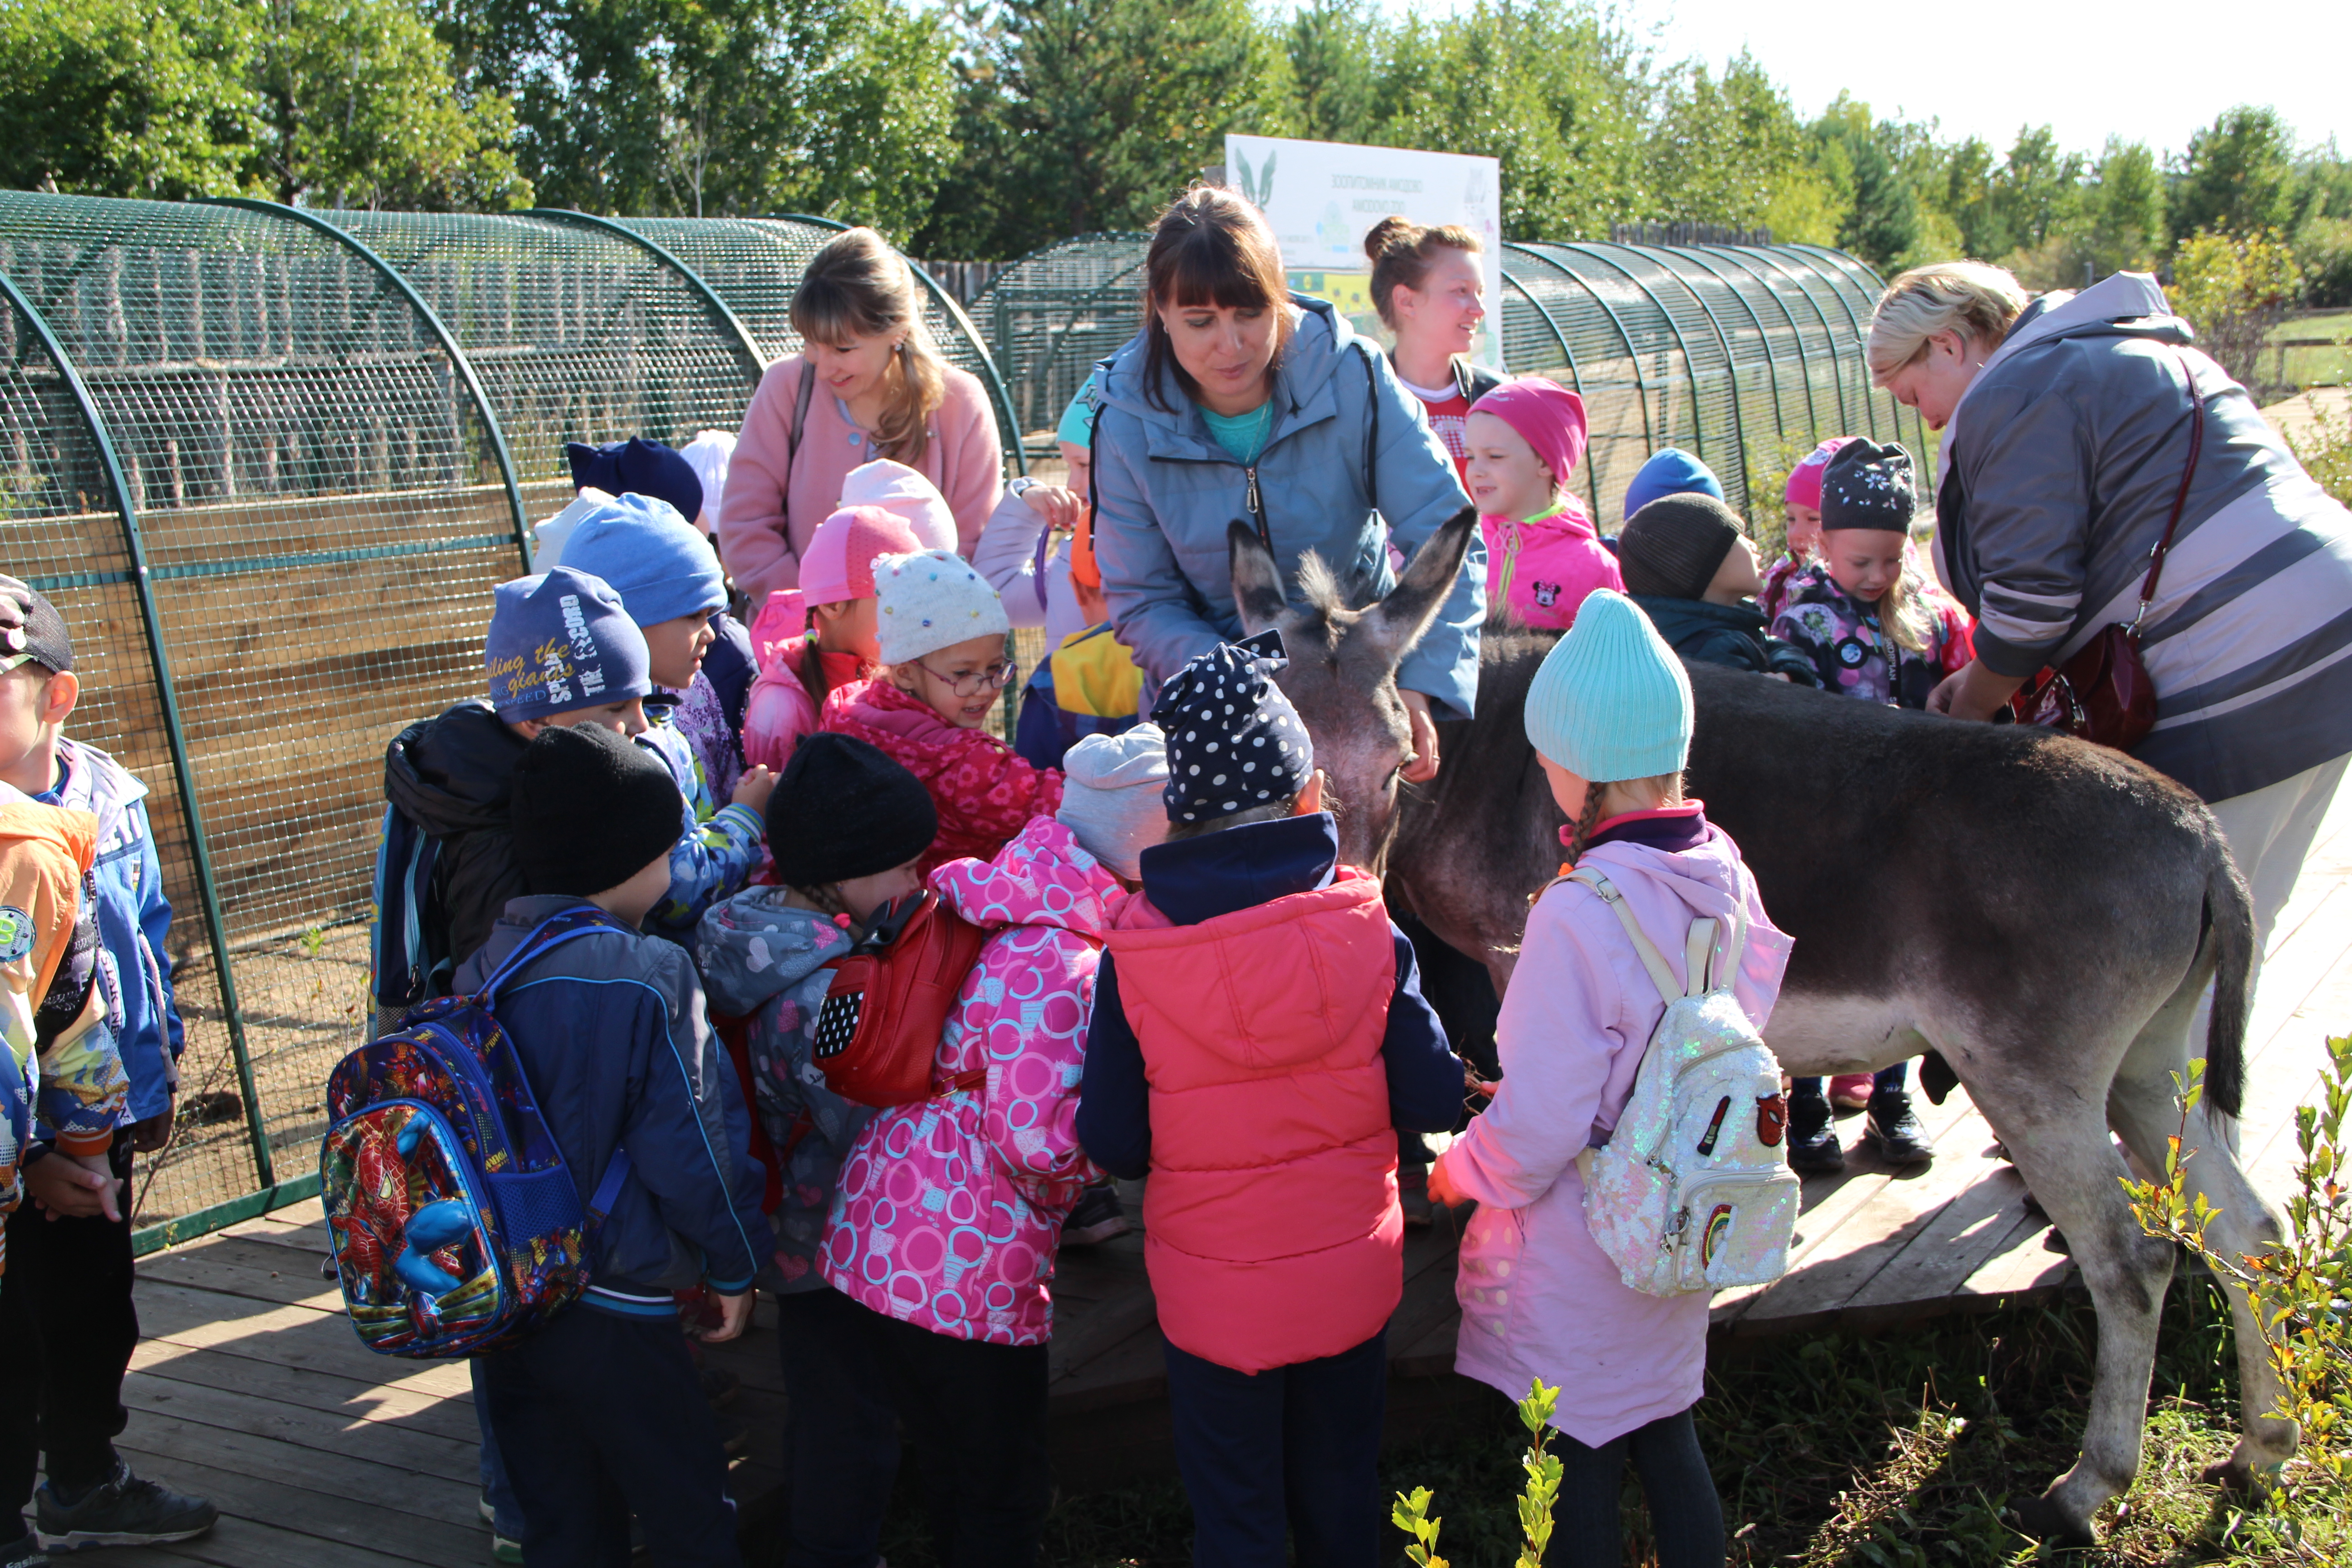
column 868, row 382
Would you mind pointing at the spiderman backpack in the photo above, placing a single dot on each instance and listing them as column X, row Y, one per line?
column 456, row 1226
column 877, row 1035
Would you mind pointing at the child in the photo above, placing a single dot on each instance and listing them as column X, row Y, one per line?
column 1258, row 1038
column 946, row 1221
column 943, row 635
column 670, row 584
column 598, row 1414
column 1862, row 614
column 1690, row 566
column 109, row 1013
column 560, row 652
column 849, row 825
column 1609, row 716
column 1670, row 471
column 1801, row 508
column 895, row 488
column 837, row 644
column 1526, row 438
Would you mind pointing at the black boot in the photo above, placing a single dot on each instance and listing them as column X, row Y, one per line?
column 1893, row 1128
column 1812, row 1136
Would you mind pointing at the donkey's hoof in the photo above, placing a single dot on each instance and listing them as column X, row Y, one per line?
column 2047, row 1522
column 2238, row 1478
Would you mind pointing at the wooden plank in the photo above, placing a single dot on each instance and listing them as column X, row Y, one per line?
column 381, row 1488
column 1132, row 1371
column 379, row 1442
column 332, row 1524
column 234, row 1265
column 2021, row 1266
column 345, row 1399
column 1960, row 1239
column 239, row 1543
column 1431, row 1354
column 286, row 1336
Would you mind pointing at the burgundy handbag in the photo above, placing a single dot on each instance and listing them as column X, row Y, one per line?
column 2104, row 694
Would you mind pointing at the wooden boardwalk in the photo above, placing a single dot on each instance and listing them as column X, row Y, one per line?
column 249, row 1387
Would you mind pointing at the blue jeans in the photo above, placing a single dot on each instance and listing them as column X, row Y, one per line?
column 1885, row 1080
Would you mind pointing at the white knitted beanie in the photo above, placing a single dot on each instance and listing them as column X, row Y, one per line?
column 930, row 600
column 1110, row 796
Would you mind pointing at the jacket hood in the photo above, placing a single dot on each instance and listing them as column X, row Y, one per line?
column 1196, row 879
column 2127, row 304
column 1041, row 878
column 454, row 773
column 1678, row 618
column 1704, row 878
column 97, row 783
column 755, row 945
column 1322, row 335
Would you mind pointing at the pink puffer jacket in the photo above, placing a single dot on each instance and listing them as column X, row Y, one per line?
column 1542, row 570
column 949, row 1212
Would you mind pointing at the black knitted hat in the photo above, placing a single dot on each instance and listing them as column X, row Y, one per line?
column 1672, row 547
column 1868, row 486
column 589, row 810
column 845, row 809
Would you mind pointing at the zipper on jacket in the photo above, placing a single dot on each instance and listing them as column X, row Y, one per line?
column 1256, row 509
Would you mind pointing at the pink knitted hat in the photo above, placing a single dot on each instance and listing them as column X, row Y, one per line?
column 839, row 564
column 1805, row 480
column 1548, row 417
column 894, row 487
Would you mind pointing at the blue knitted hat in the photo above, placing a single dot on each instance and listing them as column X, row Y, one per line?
column 1671, row 472
column 657, row 561
column 1611, row 702
column 560, row 641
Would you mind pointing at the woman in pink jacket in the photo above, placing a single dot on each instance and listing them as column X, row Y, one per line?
column 868, row 382
column 1543, row 557
column 1610, row 715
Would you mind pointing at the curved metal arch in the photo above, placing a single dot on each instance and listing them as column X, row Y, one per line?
column 440, row 331
column 1722, row 340
column 1632, row 355
column 1591, row 478
column 1690, row 369
column 1836, row 277
column 662, row 253
column 175, row 736
column 1771, row 362
column 1843, row 261
column 1796, row 333
column 1843, row 304
column 1097, row 292
column 1829, row 333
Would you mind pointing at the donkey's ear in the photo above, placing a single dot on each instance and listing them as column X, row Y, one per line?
column 1258, row 581
column 1397, row 622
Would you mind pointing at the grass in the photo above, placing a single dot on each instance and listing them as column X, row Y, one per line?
column 2316, row 366
column 1890, row 1451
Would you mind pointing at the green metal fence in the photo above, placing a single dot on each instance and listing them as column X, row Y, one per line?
column 269, row 463
column 1744, row 354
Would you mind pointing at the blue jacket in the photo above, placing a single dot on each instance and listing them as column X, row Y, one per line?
column 1196, row 879
column 613, row 1036
column 1166, row 493
column 134, row 918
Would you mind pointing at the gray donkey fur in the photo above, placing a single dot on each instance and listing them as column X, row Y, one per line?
column 2043, row 913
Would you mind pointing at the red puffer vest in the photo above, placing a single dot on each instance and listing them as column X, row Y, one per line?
column 1271, row 1227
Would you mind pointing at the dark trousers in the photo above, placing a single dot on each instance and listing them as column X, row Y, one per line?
column 1296, row 1444
column 1885, row 1080
column 976, row 1413
column 1686, row 1514
column 68, row 1327
column 841, row 1435
column 599, row 1417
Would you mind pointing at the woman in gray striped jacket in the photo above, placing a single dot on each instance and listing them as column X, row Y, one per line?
column 2066, row 426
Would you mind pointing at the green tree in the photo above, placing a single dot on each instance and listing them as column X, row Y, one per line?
column 1863, row 158
column 1337, row 49
column 113, row 98
column 1733, row 151
column 2239, row 176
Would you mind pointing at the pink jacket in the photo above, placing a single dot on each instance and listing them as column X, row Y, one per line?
column 779, row 711
column 985, row 791
column 949, row 1212
column 1538, row 1298
column 775, row 498
column 1542, row 570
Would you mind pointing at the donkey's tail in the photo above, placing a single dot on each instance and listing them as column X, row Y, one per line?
column 2230, row 927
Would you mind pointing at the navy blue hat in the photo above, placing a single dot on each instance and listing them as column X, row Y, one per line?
column 1234, row 739
column 638, row 467
column 559, row 641
column 1671, row 471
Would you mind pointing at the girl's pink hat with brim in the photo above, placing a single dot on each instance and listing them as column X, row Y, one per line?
column 839, row 564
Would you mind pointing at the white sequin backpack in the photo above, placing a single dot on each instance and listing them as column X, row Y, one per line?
column 1692, row 1191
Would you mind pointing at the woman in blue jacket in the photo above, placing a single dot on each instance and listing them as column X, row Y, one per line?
column 1241, row 401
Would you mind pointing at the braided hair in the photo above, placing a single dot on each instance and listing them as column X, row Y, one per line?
column 1586, row 821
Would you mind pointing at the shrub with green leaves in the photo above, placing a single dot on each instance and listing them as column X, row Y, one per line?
column 1412, row 1515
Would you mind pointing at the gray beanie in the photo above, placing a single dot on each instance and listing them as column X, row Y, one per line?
column 1110, row 796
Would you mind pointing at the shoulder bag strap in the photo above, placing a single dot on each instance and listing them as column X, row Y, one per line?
column 1371, row 427
column 608, row 1191
column 1652, row 959
column 2179, row 497
column 800, row 416
column 542, row 940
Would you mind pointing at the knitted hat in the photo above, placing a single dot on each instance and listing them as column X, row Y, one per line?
column 658, row 562
column 1804, row 486
column 839, row 564
column 709, row 453
column 1234, row 739
column 1671, row 548
column 1868, row 486
column 638, row 467
column 1111, row 796
column 930, row 600
column 1670, row 471
column 1077, row 425
column 894, row 487
column 31, row 630
column 1548, row 417
column 560, row 641
column 589, row 810
column 548, row 537
column 845, row 809
column 1610, row 701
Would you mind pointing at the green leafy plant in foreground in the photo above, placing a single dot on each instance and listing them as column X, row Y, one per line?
column 1536, row 1499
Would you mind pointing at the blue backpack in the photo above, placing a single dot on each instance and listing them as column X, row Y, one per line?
column 455, row 1227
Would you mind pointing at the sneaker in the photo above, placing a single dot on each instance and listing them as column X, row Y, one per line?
column 1893, row 1128
column 1097, row 1217
column 1812, row 1138
column 1413, row 1195
column 24, row 1552
column 504, row 1551
column 1851, row 1090
column 719, row 1386
column 121, row 1511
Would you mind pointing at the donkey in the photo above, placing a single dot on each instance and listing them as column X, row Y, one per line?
column 2043, row 914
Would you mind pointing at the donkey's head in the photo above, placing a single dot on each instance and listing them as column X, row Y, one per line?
column 1343, row 663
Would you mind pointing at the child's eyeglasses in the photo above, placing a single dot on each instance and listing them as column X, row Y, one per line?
column 995, row 678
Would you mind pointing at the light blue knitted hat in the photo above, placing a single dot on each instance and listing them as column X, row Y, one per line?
column 1611, row 701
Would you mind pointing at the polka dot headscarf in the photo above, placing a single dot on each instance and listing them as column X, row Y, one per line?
column 1234, row 739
